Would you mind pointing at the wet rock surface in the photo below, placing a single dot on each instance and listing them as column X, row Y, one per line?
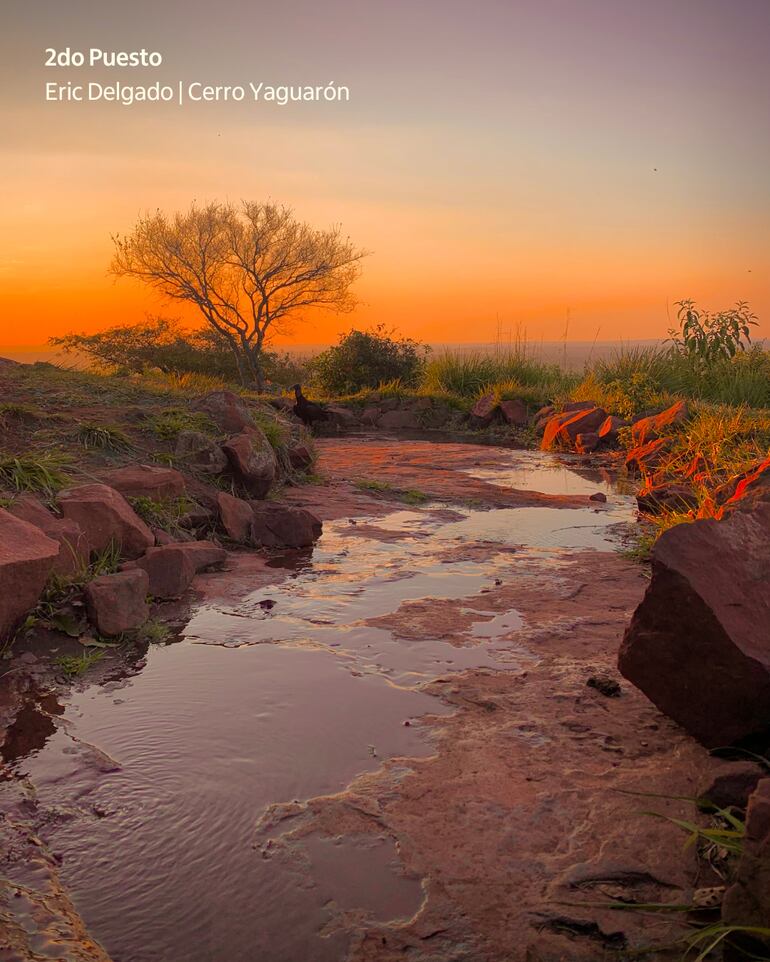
column 381, row 746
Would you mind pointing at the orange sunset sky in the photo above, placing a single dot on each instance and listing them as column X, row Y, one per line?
column 519, row 159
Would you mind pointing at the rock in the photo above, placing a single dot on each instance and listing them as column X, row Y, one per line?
column 732, row 785
column 200, row 452
column 197, row 517
column 226, row 410
column 162, row 537
column 605, row 684
column 542, row 416
column 565, row 427
column 586, row 443
column 572, row 406
column 398, row 419
column 252, row 461
column 698, row 644
column 169, row 570
column 655, row 499
column 647, row 457
column 236, row 516
column 300, row 456
column 747, row 901
column 146, row 481
column 515, row 412
column 341, row 417
column 26, row 558
column 277, row 525
column 484, row 409
column 73, row 545
column 653, row 427
column 598, row 496
column 203, row 554
column 371, row 415
column 752, row 485
column 106, row 517
column 117, row 602
column 608, row 430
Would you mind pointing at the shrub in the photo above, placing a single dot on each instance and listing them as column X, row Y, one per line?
column 365, row 359
column 705, row 337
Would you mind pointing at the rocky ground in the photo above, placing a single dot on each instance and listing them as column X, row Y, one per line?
column 526, row 819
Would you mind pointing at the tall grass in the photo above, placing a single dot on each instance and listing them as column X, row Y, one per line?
column 474, row 373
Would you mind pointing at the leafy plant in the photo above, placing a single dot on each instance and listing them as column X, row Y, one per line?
column 74, row 665
column 166, row 515
column 364, row 359
column 168, row 424
column 707, row 337
column 152, row 632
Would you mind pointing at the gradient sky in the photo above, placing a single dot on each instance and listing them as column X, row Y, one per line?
column 497, row 157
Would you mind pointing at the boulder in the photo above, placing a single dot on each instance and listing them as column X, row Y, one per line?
column 226, row 410
column 145, row 481
column 73, row 545
column 698, row 644
column 203, row 554
column 300, row 456
column 542, row 417
column 608, row 430
column 747, row 900
column 252, row 461
column 200, row 452
column 732, row 785
column 586, row 443
column 26, row 558
column 236, row 516
column 399, row 419
column 657, row 425
column 277, row 525
column 572, row 406
column 647, row 457
column 169, row 570
column 564, row 428
column 514, row 410
column 106, row 517
column 655, row 499
column 752, row 485
column 371, row 415
column 341, row 417
column 484, row 409
column 118, row 602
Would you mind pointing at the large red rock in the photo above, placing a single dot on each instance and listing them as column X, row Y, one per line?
column 118, row 602
column 203, row 554
column 398, row 420
column 169, row 570
column 484, row 409
column 657, row 425
column 747, row 901
column 199, row 452
column 277, row 525
column 647, row 457
column 26, row 558
column 73, row 545
column 106, row 517
column 586, row 443
column 751, row 485
column 146, row 481
column 252, row 461
column 564, row 428
column 698, row 644
column 514, row 411
column 236, row 516
column 226, row 410
column 609, row 428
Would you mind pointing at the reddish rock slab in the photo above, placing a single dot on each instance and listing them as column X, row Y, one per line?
column 753, row 485
column 484, row 409
column 276, row 525
column 398, row 420
column 698, row 644
column 252, row 462
column 236, row 516
column 578, row 406
column 608, row 430
column 146, row 481
column 647, row 457
column 200, row 453
column 106, row 517
column 732, row 785
column 586, row 443
column 117, row 603
column 170, row 570
column 300, row 457
column 226, row 410
column 203, row 554
column 564, row 428
column 26, row 558
column 747, row 901
column 73, row 545
column 514, row 411
column 653, row 427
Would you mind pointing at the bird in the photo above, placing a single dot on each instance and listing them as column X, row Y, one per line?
column 308, row 411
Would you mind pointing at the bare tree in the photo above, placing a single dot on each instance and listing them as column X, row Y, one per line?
column 248, row 269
